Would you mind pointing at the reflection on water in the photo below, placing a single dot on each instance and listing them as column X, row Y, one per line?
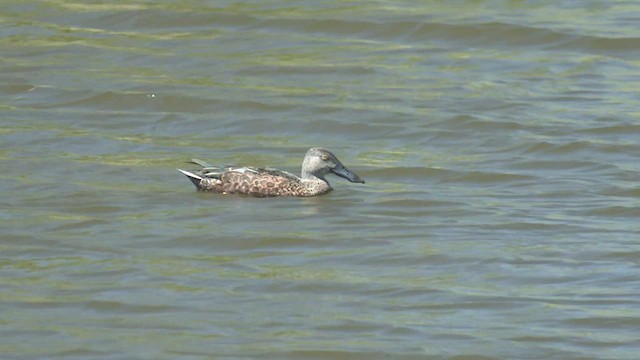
column 499, row 144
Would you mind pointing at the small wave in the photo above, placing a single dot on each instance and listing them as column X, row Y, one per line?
column 474, row 123
column 490, row 34
column 307, row 70
column 624, row 129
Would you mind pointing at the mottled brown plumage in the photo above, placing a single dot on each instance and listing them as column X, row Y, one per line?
column 268, row 182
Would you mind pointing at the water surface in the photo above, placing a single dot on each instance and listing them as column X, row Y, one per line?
column 499, row 141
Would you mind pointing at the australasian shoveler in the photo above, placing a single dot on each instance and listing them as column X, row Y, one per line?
column 268, row 182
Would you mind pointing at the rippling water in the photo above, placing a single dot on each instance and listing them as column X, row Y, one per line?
column 499, row 141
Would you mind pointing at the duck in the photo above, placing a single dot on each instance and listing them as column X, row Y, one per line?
column 269, row 182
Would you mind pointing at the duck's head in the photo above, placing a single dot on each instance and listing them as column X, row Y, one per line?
column 318, row 162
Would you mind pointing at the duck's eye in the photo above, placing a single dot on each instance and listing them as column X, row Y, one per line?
column 324, row 157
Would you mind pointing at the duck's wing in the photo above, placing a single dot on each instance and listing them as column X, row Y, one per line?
column 215, row 171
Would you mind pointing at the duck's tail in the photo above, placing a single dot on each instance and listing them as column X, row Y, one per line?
column 195, row 179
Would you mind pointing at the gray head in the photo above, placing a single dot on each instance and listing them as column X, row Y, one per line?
column 319, row 162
